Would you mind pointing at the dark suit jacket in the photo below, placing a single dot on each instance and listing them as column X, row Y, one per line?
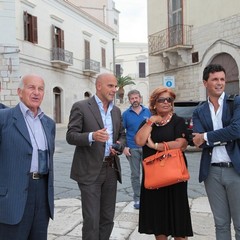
column 230, row 133
column 15, row 162
column 2, row 106
column 84, row 118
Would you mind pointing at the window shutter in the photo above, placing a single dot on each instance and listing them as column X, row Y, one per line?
column 34, row 30
column 103, row 57
column 25, row 17
column 61, row 39
column 142, row 70
column 87, row 49
column 118, row 70
column 54, row 45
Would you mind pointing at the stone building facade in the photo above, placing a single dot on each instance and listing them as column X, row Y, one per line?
column 60, row 41
column 185, row 36
column 131, row 59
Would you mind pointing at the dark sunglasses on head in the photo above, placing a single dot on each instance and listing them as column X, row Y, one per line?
column 162, row 100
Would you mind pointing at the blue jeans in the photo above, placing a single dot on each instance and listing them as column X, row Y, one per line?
column 223, row 191
column 135, row 161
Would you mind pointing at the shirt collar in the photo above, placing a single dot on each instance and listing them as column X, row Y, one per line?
column 99, row 102
column 27, row 112
column 220, row 99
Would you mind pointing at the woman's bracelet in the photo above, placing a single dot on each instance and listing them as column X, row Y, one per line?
column 149, row 122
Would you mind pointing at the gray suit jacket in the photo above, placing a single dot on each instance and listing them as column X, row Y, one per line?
column 84, row 118
column 15, row 162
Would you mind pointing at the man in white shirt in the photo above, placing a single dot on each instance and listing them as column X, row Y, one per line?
column 217, row 130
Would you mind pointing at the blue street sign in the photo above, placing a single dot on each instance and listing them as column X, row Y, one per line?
column 169, row 81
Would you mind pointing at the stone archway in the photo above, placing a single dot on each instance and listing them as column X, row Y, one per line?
column 232, row 72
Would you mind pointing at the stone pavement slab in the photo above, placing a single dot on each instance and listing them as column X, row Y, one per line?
column 68, row 216
column 68, row 221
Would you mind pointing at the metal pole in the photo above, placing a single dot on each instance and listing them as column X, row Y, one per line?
column 114, row 67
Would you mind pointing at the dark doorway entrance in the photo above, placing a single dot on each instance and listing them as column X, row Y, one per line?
column 57, row 105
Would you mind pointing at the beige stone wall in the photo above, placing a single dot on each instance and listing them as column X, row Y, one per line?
column 219, row 33
column 9, row 75
column 19, row 57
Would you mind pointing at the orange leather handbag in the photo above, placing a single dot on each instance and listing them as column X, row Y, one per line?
column 165, row 168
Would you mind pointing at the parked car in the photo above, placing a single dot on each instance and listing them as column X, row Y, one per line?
column 185, row 110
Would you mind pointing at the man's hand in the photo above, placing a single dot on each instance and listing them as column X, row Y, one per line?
column 198, row 139
column 126, row 151
column 101, row 135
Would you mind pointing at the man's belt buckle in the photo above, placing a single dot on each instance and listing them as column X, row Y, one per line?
column 35, row 176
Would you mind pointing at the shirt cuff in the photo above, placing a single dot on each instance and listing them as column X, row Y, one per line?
column 90, row 138
column 205, row 138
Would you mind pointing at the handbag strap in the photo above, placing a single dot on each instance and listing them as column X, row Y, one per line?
column 166, row 147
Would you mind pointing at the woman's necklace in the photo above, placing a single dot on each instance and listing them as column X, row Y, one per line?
column 165, row 121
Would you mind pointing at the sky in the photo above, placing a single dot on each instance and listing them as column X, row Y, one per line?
column 132, row 20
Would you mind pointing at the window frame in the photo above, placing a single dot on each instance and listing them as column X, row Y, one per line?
column 58, row 37
column 30, row 28
column 103, row 54
column 142, row 70
column 118, row 70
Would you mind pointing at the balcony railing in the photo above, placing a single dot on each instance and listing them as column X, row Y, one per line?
column 62, row 57
column 90, row 66
column 178, row 36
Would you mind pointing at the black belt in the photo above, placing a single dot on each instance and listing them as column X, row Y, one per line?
column 37, row 176
column 223, row 164
column 109, row 160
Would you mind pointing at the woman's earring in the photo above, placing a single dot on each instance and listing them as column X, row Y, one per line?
column 154, row 107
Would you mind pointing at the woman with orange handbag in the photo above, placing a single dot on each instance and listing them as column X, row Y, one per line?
column 164, row 211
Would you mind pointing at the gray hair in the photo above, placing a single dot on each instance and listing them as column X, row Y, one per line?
column 21, row 83
column 134, row 91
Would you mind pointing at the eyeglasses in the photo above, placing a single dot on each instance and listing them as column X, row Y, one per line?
column 162, row 100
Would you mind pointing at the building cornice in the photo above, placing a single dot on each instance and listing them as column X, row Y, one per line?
column 85, row 15
column 28, row 3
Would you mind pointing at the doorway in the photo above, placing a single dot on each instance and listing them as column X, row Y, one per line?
column 57, row 105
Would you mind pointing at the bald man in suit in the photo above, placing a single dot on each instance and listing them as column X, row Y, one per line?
column 94, row 125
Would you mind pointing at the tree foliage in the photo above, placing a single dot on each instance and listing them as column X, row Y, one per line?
column 123, row 81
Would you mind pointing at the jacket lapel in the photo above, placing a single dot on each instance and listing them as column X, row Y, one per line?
column 114, row 121
column 20, row 123
column 93, row 107
column 226, row 115
column 48, row 132
column 206, row 115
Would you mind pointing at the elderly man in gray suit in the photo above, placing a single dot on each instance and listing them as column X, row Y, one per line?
column 26, row 165
column 94, row 125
